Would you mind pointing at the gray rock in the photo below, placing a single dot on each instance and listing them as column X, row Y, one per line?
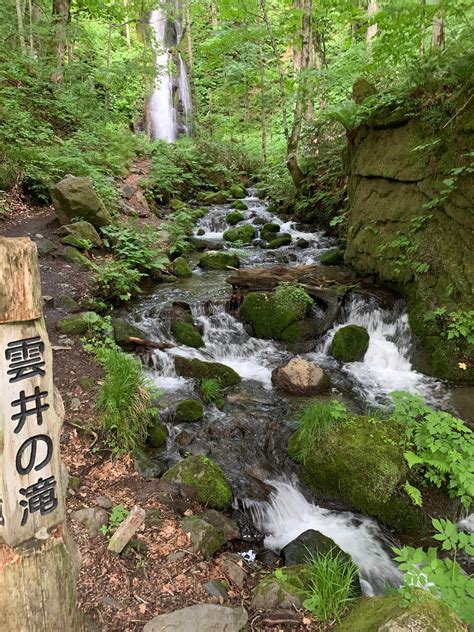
column 66, row 304
column 92, row 518
column 205, row 538
column 233, row 569
column 75, row 197
column 302, row 243
column 201, row 618
column 104, row 502
column 75, row 403
column 216, row 588
column 128, row 191
column 299, row 550
column 221, row 521
column 81, row 231
column 45, row 246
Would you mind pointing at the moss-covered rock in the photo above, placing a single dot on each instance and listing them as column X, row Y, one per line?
column 197, row 369
column 234, row 217
column 74, row 324
column 269, row 231
column 268, row 316
column 219, row 197
column 333, row 257
column 384, row 614
column 75, row 197
column 362, row 462
column 239, row 205
column 82, row 230
column 157, row 435
column 286, row 593
column 218, row 260
column 67, row 304
column 206, row 477
column 80, row 244
column 180, row 268
column 350, row 343
column 206, row 538
column 124, row 330
column 189, row 410
column 244, row 234
column 72, row 255
column 238, row 191
column 282, row 239
column 187, row 334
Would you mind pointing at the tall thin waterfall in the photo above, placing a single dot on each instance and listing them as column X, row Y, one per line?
column 170, row 104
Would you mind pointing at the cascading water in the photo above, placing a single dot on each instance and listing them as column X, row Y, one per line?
column 170, row 103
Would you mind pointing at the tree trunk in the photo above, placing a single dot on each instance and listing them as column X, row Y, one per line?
column 21, row 29
column 127, row 25
column 61, row 18
column 297, row 175
column 214, row 18
column 187, row 21
column 263, row 114
column 372, row 29
column 437, row 37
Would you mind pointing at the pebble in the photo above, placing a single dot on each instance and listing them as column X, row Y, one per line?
column 104, row 502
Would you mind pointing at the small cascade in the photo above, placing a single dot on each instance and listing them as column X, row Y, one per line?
column 287, row 514
column 170, row 103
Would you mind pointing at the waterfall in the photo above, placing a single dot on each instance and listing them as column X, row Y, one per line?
column 170, row 103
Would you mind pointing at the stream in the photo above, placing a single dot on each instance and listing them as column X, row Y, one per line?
column 248, row 437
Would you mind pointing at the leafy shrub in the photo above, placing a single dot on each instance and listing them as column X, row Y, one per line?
column 332, row 582
column 117, row 516
column 316, row 419
column 443, row 577
column 116, row 280
column 441, row 447
column 124, row 401
column 135, row 245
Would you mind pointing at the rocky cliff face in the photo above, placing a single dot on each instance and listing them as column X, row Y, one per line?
column 411, row 192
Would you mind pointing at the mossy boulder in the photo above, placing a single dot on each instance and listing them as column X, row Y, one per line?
column 217, row 260
column 385, row 614
column 187, row 334
column 189, row 410
column 206, row 477
column 124, row 330
column 282, row 239
column 350, row 343
column 82, row 230
column 238, row 191
column 206, row 538
column 219, row 197
column 269, row 316
column 67, row 304
column 75, row 197
column 197, row 369
column 234, row 217
column 244, row 234
column 239, row 205
column 180, row 268
column 75, row 324
column 286, row 593
column 74, row 256
column 309, row 544
column 157, row 435
column 80, row 244
column 333, row 257
column 269, row 231
column 361, row 461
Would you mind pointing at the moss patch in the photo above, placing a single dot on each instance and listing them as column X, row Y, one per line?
column 72, row 255
column 282, row 240
column 187, row 334
column 234, row 217
column 157, row 435
column 244, row 234
column 239, row 205
column 362, row 462
column 180, row 268
column 200, row 370
column 350, row 343
column 206, row 477
column 189, row 410
column 216, row 260
column 123, row 331
column 333, row 257
column 269, row 231
column 237, row 191
column 268, row 316
column 425, row 614
column 75, row 324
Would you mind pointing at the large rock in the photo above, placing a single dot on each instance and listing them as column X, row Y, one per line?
column 180, row 268
column 198, row 369
column 200, row 618
column 268, row 316
column 281, row 239
column 187, row 334
column 300, row 377
column 243, row 234
column 74, row 256
column 214, row 260
column 206, row 539
column 206, row 477
column 219, row 197
column 286, row 593
column 83, row 231
column 307, row 545
column 334, row 257
column 124, row 330
column 75, row 324
column 189, row 410
column 384, row 614
column 350, row 343
column 238, row 191
column 234, row 217
column 75, row 197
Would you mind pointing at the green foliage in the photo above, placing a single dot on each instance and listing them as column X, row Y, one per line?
column 290, row 294
column 440, row 447
column 316, row 419
column 124, row 401
column 135, row 245
column 116, row 280
column 332, row 582
column 442, row 577
column 210, row 390
column 407, row 245
column 117, row 516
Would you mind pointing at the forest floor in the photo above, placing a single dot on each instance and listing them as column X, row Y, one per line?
column 160, row 573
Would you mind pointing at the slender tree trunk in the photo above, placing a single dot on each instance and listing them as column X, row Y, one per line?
column 127, row 26
column 437, row 36
column 30, row 16
column 107, row 67
column 187, row 21
column 372, row 29
column 61, row 17
column 21, row 28
column 301, row 97
column 421, row 48
column 263, row 114
column 214, row 18
column 281, row 79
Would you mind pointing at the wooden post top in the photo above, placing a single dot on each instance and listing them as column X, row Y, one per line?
column 20, row 284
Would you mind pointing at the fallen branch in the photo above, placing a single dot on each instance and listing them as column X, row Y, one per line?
column 149, row 343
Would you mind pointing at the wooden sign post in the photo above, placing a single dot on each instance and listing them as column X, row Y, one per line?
column 38, row 560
